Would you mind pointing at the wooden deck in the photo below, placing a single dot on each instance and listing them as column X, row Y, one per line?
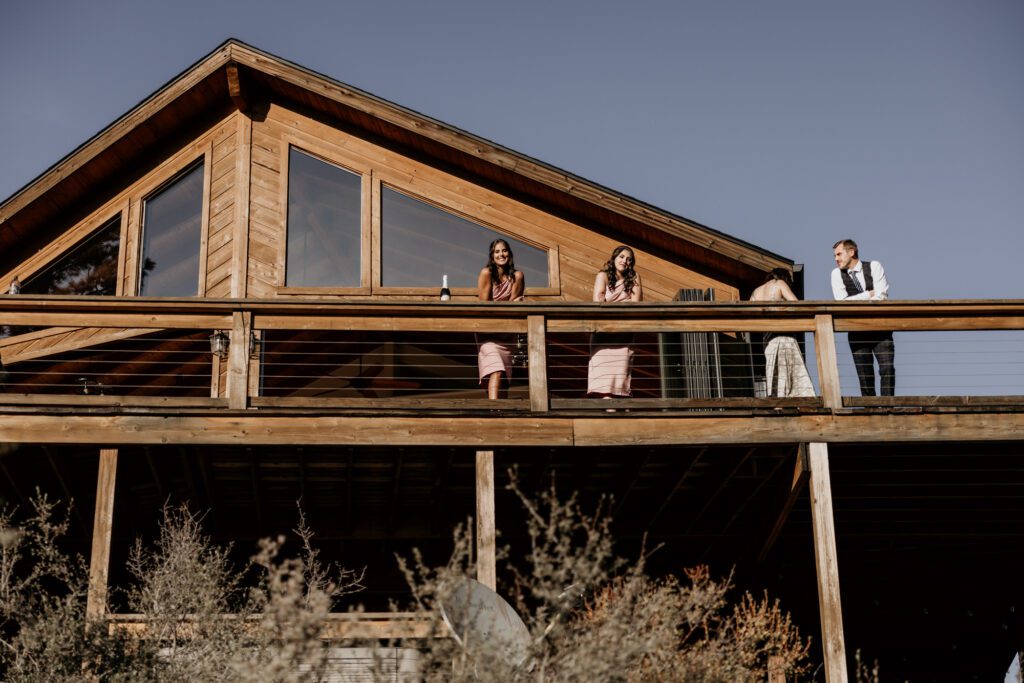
column 913, row 515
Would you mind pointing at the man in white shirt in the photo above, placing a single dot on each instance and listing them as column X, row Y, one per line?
column 856, row 280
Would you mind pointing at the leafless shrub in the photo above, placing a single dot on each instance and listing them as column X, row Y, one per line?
column 593, row 616
column 200, row 624
column 43, row 635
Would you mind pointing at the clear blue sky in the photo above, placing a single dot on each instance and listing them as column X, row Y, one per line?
column 789, row 124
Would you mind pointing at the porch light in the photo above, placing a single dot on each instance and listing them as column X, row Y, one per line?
column 219, row 343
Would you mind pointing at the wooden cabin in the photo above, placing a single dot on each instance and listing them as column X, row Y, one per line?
column 229, row 297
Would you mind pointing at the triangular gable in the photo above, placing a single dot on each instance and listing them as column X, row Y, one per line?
column 238, row 74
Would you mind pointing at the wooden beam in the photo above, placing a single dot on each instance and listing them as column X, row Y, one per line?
column 62, row 482
column 827, row 565
column 676, row 483
column 801, row 474
column 391, row 324
column 486, row 540
column 252, row 429
column 828, row 366
column 238, row 360
column 102, row 528
column 538, row 363
column 718, row 491
column 235, row 90
column 661, row 324
column 396, row 490
column 254, row 481
column 154, row 472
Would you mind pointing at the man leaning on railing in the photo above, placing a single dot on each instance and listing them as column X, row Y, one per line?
column 856, row 280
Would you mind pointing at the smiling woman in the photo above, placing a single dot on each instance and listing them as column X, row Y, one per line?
column 420, row 241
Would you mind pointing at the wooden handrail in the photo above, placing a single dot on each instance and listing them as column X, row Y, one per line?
column 539, row 319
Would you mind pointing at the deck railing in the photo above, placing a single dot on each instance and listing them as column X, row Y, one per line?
column 402, row 356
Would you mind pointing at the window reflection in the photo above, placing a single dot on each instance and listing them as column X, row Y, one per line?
column 88, row 269
column 171, row 234
column 420, row 242
column 323, row 224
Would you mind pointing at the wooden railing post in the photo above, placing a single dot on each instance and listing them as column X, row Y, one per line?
column 486, row 537
column 537, row 335
column 828, row 365
column 238, row 360
column 827, row 565
column 102, row 526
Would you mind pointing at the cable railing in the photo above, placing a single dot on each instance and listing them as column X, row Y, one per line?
column 405, row 356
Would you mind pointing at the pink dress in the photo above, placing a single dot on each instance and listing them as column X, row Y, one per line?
column 495, row 354
column 611, row 358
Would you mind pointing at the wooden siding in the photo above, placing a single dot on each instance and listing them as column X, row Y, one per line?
column 580, row 252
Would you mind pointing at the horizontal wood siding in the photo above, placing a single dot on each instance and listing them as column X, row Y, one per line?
column 223, row 197
column 581, row 252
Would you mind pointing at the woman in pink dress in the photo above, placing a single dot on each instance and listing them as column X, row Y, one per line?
column 611, row 357
column 499, row 281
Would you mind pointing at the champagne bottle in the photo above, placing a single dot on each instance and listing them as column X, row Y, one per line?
column 446, row 293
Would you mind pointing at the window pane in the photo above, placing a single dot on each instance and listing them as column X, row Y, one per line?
column 420, row 243
column 89, row 268
column 323, row 224
column 172, row 230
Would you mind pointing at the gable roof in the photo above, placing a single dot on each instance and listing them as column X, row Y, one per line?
column 238, row 75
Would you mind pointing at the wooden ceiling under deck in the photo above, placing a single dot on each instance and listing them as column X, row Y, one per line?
column 929, row 535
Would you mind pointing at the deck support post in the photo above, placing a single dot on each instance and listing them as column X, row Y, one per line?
column 538, row 359
column 238, row 360
column 827, row 565
column 102, row 526
column 828, row 364
column 486, row 549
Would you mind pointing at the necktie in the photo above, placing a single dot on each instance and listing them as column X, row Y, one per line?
column 856, row 282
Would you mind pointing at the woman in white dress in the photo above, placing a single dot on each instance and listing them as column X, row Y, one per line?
column 784, row 370
column 609, row 373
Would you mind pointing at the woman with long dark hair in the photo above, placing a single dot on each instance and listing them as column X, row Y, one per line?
column 609, row 373
column 498, row 281
column 785, row 371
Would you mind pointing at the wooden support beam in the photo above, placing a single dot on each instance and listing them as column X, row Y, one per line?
column 350, row 492
column 538, row 363
column 216, row 390
column 238, row 360
column 801, row 474
column 828, row 365
column 827, row 565
column 253, row 428
column 441, row 489
column 721, row 487
column 69, row 497
column 155, row 473
column 254, row 480
column 102, row 528
column 676, row 484
column 235, row 90
column 396, row 490
column 486, row 539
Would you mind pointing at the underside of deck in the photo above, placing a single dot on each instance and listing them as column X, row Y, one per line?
column 928, row 534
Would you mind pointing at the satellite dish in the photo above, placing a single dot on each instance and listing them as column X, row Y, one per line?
column 477, row 615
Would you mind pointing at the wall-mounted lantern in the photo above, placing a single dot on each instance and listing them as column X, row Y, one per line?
column 219, row 343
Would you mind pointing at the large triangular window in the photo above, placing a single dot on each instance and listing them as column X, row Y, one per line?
column 90, row 268
column 420, row 242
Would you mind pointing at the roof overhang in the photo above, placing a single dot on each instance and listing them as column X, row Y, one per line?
column 236, row 75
